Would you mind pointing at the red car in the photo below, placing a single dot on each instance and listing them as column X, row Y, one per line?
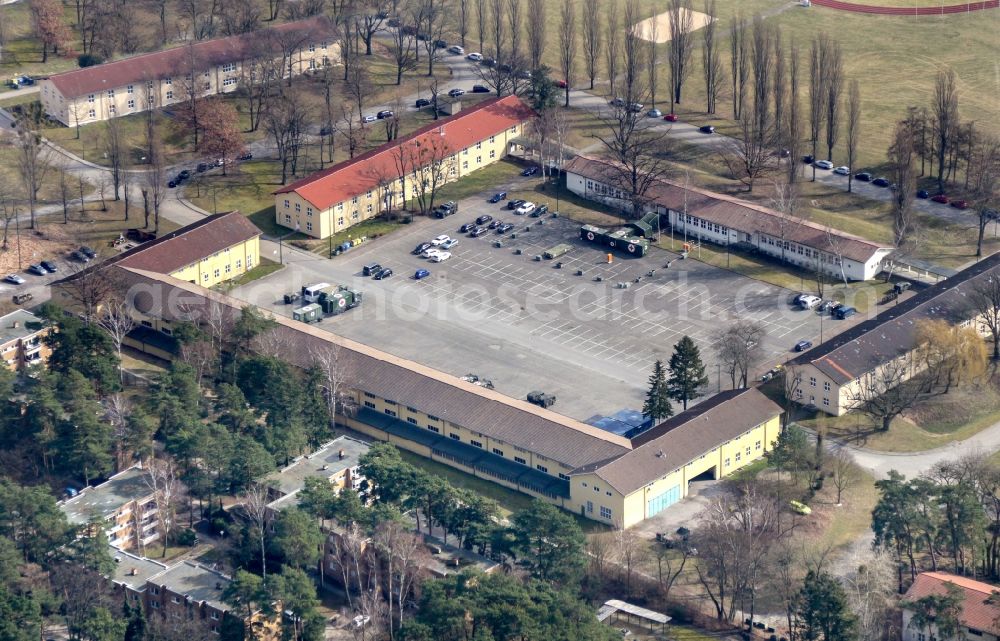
column 561, row 84
column 940, row 198
column 670, row 117
column 960, row 204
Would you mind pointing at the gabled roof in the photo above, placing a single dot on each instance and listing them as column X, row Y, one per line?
column 980, row 606
column 184, row 246
column 892, row 332
column 684, row 437
column 737, row 214
column 439, row 139
column 177, row 61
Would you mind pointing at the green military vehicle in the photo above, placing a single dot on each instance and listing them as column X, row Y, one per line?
column 541, row 399
column 339, row 300
column 557, row 251
column 311, row 313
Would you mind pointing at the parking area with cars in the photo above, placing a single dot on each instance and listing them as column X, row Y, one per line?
column 576, row 326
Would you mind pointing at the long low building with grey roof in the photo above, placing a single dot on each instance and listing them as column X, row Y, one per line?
column 828, row 377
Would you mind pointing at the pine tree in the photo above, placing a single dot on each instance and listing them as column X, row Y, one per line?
column 687, row 372
column 657, row 405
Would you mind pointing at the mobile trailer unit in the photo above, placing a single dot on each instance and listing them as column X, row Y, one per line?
column 557, row 251
column 340, row 301
column 619, row 239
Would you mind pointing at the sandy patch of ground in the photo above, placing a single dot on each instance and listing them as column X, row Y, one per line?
column 657, row 28
column 34, row 247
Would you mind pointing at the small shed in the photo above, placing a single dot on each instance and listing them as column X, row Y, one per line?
column 613, row 609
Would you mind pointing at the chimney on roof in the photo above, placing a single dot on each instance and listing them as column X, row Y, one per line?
column 132, row 571
column 325, row 467
column 15, row 324
column 341, row 454
column 659, row 453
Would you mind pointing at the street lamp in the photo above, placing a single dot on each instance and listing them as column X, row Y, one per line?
column 281, row 254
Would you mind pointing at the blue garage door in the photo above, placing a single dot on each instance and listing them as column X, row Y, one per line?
column 663, row 501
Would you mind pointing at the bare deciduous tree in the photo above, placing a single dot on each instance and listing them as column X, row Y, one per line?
column 711, row 61
column 592, row 38
column 253, row 507
column 832, row 62
column 286, row 121
column 536, row 32
column 613, row 47
column 513, row 12
column 567, row 43
column 761, row 62
column 630, row 552
column 853, row 129
column 903, row 172
column 739, row 62
column 751, row 157
column 945, row 108
column 680, row 47
column 33, row 161
column 652, row 35
column 117, row 321
column 163, row 480
column 793, row 135
column 738, row 349
column 870, row 586
column 885, row 392
column 817, row 112
column 985, row 302
column 844, row 472
column 780, row 88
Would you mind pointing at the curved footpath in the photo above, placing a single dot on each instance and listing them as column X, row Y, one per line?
column 908, row 11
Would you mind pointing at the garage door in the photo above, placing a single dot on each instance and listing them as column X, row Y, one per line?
column 663, row 501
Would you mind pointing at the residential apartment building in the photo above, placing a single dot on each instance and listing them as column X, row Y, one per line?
column 162, row 78
column 123, row 505
column 830, row 375
column 22, row 340
column 697, row 215
column 979, row 614
column 386, row 178
column 501, row 439
column 335, row 462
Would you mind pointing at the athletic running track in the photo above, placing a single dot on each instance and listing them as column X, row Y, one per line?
column 908, row 11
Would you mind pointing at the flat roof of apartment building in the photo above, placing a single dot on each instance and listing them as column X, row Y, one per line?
column 133, row 571
column 196, row 582
column 324, row 463
column 101, row 501
column 18, row 324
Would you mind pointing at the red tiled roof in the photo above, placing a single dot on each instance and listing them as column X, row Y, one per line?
column 737, row 214
column 976, row 612
column 177, row 60
column 362, row 174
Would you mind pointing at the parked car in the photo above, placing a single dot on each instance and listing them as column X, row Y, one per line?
column 49, row 266
column 478, row 231
column 88, row 252
column 514, row 204
column 771, row 373
column 922, row 194
column 480, row 89
column 809, row 301
column 467, row 227
column 843, row 312
column 940, row 198
column 368, row 118
column 14, row 279
column 800, row 508
column 382, row 275
column 654, row 113
column 843, row 170
column 960, row 204
column 21, row 298
column 248, row 155
column 183, row 175
column 430, row 251
column 203, row 166
column 863, row 176
column 456, row 92
column 803, row 345
column 822, row 164
column 37, row 270
column 881, row 182
column 707, row 129
column 79, row 256
column 440, row 44
column 497, row 197
column 448, row 244
column 440, row 257
column 524, row 74
column 371, row 269
column 530, row 171
column 421, row 273
column 504, row 228
column 670, row 117
column 485, row 218
column 616, row 102
column 421, row 248
column 443, row 238
column 526, row 208
column 488, row 62
column 496, row 222
column 901, row 287
column 421, row 102
column 539, row 211
column 475, row 57
column 562, row 84
column 385, row 113
column 171, row 184
column 456, row 50
column 807, row 159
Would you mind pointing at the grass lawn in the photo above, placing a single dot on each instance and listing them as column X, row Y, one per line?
column 479, row 181
column 265, row 268
column 508, row 500
column 368, row 229
column 934, row 422
column 841, row 526
column 247, row 188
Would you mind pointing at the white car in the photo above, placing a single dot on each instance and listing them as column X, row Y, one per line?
column 14, row 279
column 526, row 208
column 809, row 302
column 368, row 118
column 448, row 244
column 823, row 164
column 475, row 57
column 842, row 171
column 440, row 257
column 455, row 49
column 440, row 240
column 430, row 252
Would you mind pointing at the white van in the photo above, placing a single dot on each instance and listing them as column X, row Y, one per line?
column 310, row 293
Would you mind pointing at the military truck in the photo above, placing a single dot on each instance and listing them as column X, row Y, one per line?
column 339, row 300
column 622, row 239
column 446, row 209
column 311, row 313
column 541, row 399
column 557, row 251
